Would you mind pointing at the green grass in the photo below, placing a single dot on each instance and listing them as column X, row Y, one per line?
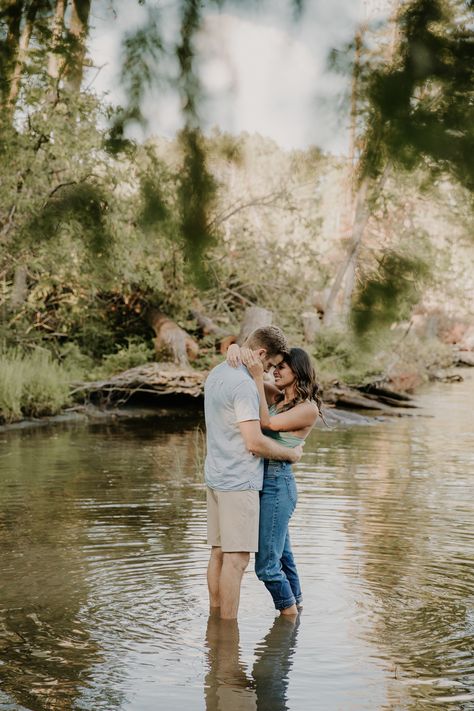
column 31, row 385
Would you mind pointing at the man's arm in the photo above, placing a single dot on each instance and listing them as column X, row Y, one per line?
column 258, row 444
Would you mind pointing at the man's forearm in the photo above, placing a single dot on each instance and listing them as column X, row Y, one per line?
column 268, row 448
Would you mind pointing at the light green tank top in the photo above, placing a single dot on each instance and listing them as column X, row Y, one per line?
column 284, row 438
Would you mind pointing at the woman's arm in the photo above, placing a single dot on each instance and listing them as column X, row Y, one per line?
column 300, row 416
column 234, row 357
column 255, row 367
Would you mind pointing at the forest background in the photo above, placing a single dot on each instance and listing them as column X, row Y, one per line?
column 364, row 259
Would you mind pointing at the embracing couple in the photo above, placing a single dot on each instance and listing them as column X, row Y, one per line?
column 255, row 431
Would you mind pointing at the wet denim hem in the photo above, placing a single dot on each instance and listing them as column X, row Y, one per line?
column 283, row 604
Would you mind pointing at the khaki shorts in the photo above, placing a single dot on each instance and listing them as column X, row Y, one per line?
column 232, row 520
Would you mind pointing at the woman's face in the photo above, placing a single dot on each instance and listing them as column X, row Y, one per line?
column 283, row 375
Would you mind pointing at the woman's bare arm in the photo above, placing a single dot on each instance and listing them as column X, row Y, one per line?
column 234, row 357
column 300, row 416
column 255, row 367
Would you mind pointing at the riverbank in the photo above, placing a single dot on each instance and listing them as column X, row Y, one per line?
column 44, row 391
column 87, row 414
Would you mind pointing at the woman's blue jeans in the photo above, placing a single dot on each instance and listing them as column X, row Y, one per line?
column 274, row 562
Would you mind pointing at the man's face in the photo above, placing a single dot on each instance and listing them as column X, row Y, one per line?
column 269, row 362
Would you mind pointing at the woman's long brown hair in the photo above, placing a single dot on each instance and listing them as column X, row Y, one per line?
column 306, row 385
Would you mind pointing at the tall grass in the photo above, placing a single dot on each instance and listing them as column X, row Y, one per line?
column 31, row 385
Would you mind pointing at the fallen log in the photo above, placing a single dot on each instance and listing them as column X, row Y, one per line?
column 172, row 339
column 207, row 325
column 351, row 398
column 151, row 379
column 366, row 397
column 162, row 379
column 464, row 358
column 386, row 396
column 377, row 390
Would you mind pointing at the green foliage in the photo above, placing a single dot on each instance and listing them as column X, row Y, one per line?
column 197, row 192
column 339, row 356
column 388, row 295
column 421, row 107
column 134, row 353
column 83, row 204
column 421, row 354
column 79, row 365
column 31, row 385
column 142, row 51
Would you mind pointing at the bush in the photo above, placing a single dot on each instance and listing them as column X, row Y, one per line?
column 133, row 354
column 31, row 385
column 79, row 365
column 11, row 387
column 339, row 356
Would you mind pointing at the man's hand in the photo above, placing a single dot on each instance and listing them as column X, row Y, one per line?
column 298, row 450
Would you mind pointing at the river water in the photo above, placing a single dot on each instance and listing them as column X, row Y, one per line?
column 103, row 601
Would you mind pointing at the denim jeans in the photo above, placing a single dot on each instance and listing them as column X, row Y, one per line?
column 274, row 562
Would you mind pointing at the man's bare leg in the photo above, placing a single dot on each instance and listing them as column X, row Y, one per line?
column 233, row 568
column 293, row 610
column 213, row 576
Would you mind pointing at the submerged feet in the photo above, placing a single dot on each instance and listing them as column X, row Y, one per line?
column 290, row 611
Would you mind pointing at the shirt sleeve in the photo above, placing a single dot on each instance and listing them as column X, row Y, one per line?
column 246, row 403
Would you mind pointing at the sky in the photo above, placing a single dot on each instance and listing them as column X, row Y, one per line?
column 261, row 70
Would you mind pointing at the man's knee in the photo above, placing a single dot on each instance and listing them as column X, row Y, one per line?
column 238, row 561
column 217, row 554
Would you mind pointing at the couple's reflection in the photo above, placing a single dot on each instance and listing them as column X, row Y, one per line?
column 228, row 684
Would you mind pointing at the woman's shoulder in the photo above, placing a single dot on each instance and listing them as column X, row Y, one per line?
column 309, row 408
column 308, row 405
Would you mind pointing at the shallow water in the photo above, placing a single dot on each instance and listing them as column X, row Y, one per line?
column 103, row 601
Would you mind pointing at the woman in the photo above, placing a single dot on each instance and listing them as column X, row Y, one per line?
column 289, row 409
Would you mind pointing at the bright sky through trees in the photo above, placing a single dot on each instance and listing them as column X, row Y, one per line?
column 262, row 71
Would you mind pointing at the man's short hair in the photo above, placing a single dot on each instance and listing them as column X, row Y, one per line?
column 271, row 338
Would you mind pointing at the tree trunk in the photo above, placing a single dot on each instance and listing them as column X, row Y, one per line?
column 19, row 289
column 254, row 317
column 350, row 215
column 12, row 14
column 78, row 30
column 172, row 339
column 311, row 325
column 349, row 283
column 361, row 212
column 55, row 61
column 360, row 220
column 22, row 54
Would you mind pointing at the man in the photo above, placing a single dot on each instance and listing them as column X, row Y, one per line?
column 234, row 467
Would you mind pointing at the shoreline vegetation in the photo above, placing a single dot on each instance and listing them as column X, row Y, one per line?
column 34, row 387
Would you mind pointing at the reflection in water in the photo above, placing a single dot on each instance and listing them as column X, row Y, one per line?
column 274, row 660
column 229, row 686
